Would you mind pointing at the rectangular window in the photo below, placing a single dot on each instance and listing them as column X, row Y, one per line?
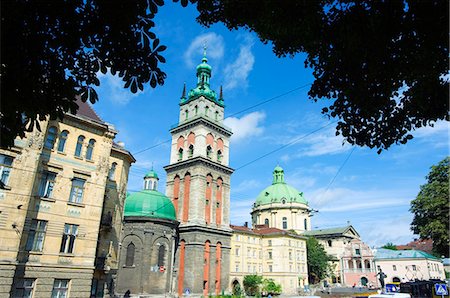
column 237, row 251
column 357, row 251
column 249, row 268
column 270, row 268
column 68, row 239
column 60, row 288
column 237, row 267
column 290, row 255
column 270, row 255
column 25, row 288
column 269, row 243
column 394, row 267
column 36, row 235
column 76, row 194
column 5, row 168
column 47, row 184
column 414, row 267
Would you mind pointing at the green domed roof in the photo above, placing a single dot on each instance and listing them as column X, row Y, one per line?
column 279, row 191
column 204, row 66
column 149, row 203
column 151, row 174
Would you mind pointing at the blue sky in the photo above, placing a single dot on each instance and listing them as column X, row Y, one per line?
column 371, row 191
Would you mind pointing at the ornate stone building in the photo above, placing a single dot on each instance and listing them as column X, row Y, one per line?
column 198, row 183
column 275, row 247
column 52, row 202
column 352, row 260
column 148, row 243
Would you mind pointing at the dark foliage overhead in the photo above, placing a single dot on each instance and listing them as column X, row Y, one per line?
column 380, row 63
column 51, row 52
column 363, row 55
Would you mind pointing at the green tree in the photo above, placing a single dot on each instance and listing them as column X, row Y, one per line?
column 390, row 246
column 271, row 287
column 252, row 283
column 318, row 265
column 431, row 208
column 363, row 54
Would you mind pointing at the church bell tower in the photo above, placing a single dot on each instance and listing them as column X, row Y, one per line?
column 198, row 183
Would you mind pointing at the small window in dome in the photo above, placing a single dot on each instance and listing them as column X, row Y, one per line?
column 283, row 201
column 267, row 194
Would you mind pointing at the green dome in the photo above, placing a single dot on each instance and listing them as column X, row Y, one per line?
column 279, row 191
column 151, row 174
column 204, row 66
column 149, row 203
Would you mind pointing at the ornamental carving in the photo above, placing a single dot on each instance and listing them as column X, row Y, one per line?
column 36, row 140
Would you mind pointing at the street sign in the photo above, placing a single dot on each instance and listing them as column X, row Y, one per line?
column 440, row 289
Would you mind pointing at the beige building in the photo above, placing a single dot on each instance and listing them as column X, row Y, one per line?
column 408, row 265
column 352, row 260
column 274, row 247
column 273, row 253
column 61, row 190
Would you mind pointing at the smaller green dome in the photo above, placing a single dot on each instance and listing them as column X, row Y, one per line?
column 204, row 66
column 151, row 174
column 149, row 203
column 279, row 191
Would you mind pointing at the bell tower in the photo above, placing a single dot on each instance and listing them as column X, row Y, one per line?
column 198, row 183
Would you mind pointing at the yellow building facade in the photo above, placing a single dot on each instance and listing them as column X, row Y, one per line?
column 58, row 197
column 269, row 252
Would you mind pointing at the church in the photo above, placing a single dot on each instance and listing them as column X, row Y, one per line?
column 180, row 242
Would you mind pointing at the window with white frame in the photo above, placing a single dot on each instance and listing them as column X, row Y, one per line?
column 36, row 235
column 270, row 268
column 112, row 171
column 51, row 137
column 60, row 288
column 25, row 288
column 47, row 184
column 62, row 140
column 284, row 223
column 68, row 238
column 5, row 168
column 90, row 149
column 76, row 193
column 79, row 146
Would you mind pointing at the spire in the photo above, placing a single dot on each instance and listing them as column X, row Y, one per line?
column 204, row 59
column 278, row 175
column 221, row 93
column 183, row 95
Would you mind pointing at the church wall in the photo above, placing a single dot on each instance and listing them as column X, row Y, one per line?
column 145, row 275
column 294, row 213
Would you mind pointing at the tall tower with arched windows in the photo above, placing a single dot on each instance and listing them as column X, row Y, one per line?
column 198, row 183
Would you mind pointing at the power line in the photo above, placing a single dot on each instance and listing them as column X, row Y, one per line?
column 237, row 113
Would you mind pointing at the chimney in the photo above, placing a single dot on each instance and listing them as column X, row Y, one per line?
column 246, row 224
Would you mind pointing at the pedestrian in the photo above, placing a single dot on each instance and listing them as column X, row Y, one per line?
column 381, row 277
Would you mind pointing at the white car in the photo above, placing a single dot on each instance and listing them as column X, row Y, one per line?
column 390, row 295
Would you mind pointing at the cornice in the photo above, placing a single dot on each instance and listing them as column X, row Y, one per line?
column 198, row 160
column 201, row 121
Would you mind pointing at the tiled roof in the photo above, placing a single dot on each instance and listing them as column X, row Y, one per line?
column 383, row 253
column 425, row 245
column 331, row 231
column 262, row 230
column 86, row 111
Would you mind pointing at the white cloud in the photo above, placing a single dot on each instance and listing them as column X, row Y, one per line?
column 246, row 127
column 246, row 185
column 236, row 73
column 441, row 127
column 114, row 91
column 215, row 48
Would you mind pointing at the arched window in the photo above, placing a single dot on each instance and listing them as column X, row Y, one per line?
column 217, row 115
column 161, row 253
column 187, row 114
column 367, row 264
column 90, row 149
column 266, row 221
column 219, row 156
column 306, row 224
column 62, row 140
column 180, row 154
column 330, row 243
column 112, row 171
column 284, row 223
column 208, row 151
column 206, row 111
column 79, row 146
column 51, row 137
column 350, row 264
column 129, row 260
column 191, row 150
column 196, row 110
